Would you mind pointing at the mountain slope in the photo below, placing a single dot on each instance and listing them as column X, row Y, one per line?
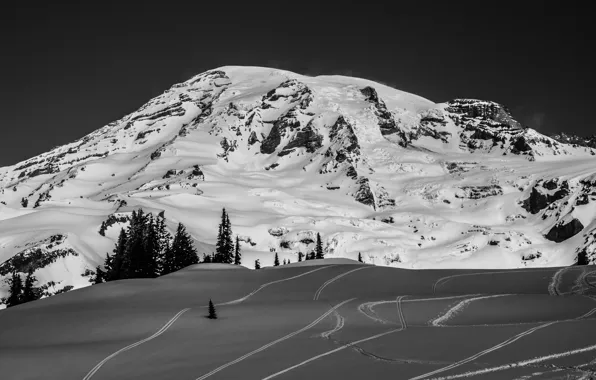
column 406, row 181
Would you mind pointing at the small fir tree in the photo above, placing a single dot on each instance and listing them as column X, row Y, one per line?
column 299, row 256
column 212, row 313
column 360, row 257
column 319, row 248
column 29, row 293
column 15, row 290
column 99, row 276
column 276, row 260
column 257, row 264
column 183, row 251
column 237, row 254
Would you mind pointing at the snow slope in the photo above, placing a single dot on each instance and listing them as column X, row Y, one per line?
column 407, row 182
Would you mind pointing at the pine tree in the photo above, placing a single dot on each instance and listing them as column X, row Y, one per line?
column 319, row 248
column 276, row 260
column 15, row 290
column 360, row 257
column 257, row 264
column 212, row 313
column 132, row 264
column 29, row 293
column 299, row 256
column 206, row 258
column 287, row 261
column 183, row 251
column 312, row 255
column 114, row 263
column 99, row 276
column 224, row 248
column 237, row 254
column 164, row 239
column 151, row 249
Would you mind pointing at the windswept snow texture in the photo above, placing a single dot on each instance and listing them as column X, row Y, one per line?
column 408, row 182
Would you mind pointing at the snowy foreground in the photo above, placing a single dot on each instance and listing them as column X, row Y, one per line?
column 407, row 182
column 338, row 321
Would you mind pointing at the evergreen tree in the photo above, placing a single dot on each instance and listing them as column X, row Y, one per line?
column 15, row 290
column 360, row 257
column 319, row 248
column 257, row 264
column 276, row 260
column 312, row 255
column 183, row 251
column 114, row 263
column 224, row 248
column 151, row 248
column 99, row 276
column 164, row 238
column 212, row 313
column 299, row 256
column 206, row 258
column 133, row 261
column 237, row 254
column 29, row 293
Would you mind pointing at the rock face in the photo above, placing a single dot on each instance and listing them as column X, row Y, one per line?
column 486, row 110
column 562, row 232
column 296, row 155
column 545, row 193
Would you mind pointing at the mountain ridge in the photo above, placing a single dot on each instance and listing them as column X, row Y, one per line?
column 410, row 182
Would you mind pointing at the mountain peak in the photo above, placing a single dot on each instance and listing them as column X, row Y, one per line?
column 373, row 169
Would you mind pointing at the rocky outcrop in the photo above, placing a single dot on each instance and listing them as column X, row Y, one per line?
column 563, row 231
column 587, row 141
column 306, row 138
column 544, row 193
column 387, row 123
column 281, row 127
column 475, row 108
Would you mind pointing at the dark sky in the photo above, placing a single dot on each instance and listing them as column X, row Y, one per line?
column 67, row 70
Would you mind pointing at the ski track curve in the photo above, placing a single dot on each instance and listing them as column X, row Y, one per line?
column 367, row 308
column 271, row 283
column 441, row 281
column 262, row 348
column 439, row 321
column 348, row 345
column 171, row 321
column 482, row 353
column 339, row 324
column 519, row 364
column 329, row 282
column 158, row 333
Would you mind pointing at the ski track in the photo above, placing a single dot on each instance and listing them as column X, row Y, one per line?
column 220, row 368
column 482, row 353
column 271, row 283
column 555, row 282
column 171, row 322
column 329, row 282
column 158, row 333
column 441, row 281
column 340, row 321
column 523, row 363
column 439, row 321
column 367, row 308
column 348, row 345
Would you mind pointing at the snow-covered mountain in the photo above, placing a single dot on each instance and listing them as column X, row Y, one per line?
column 405, row 181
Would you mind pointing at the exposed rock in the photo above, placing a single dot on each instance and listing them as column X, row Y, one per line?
column 387, row 124
column 483, row 109
column 563, row 231
column 479, row 192
column 279, row 129
column 252, row 139
column 540, row 199
column 305, row 138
